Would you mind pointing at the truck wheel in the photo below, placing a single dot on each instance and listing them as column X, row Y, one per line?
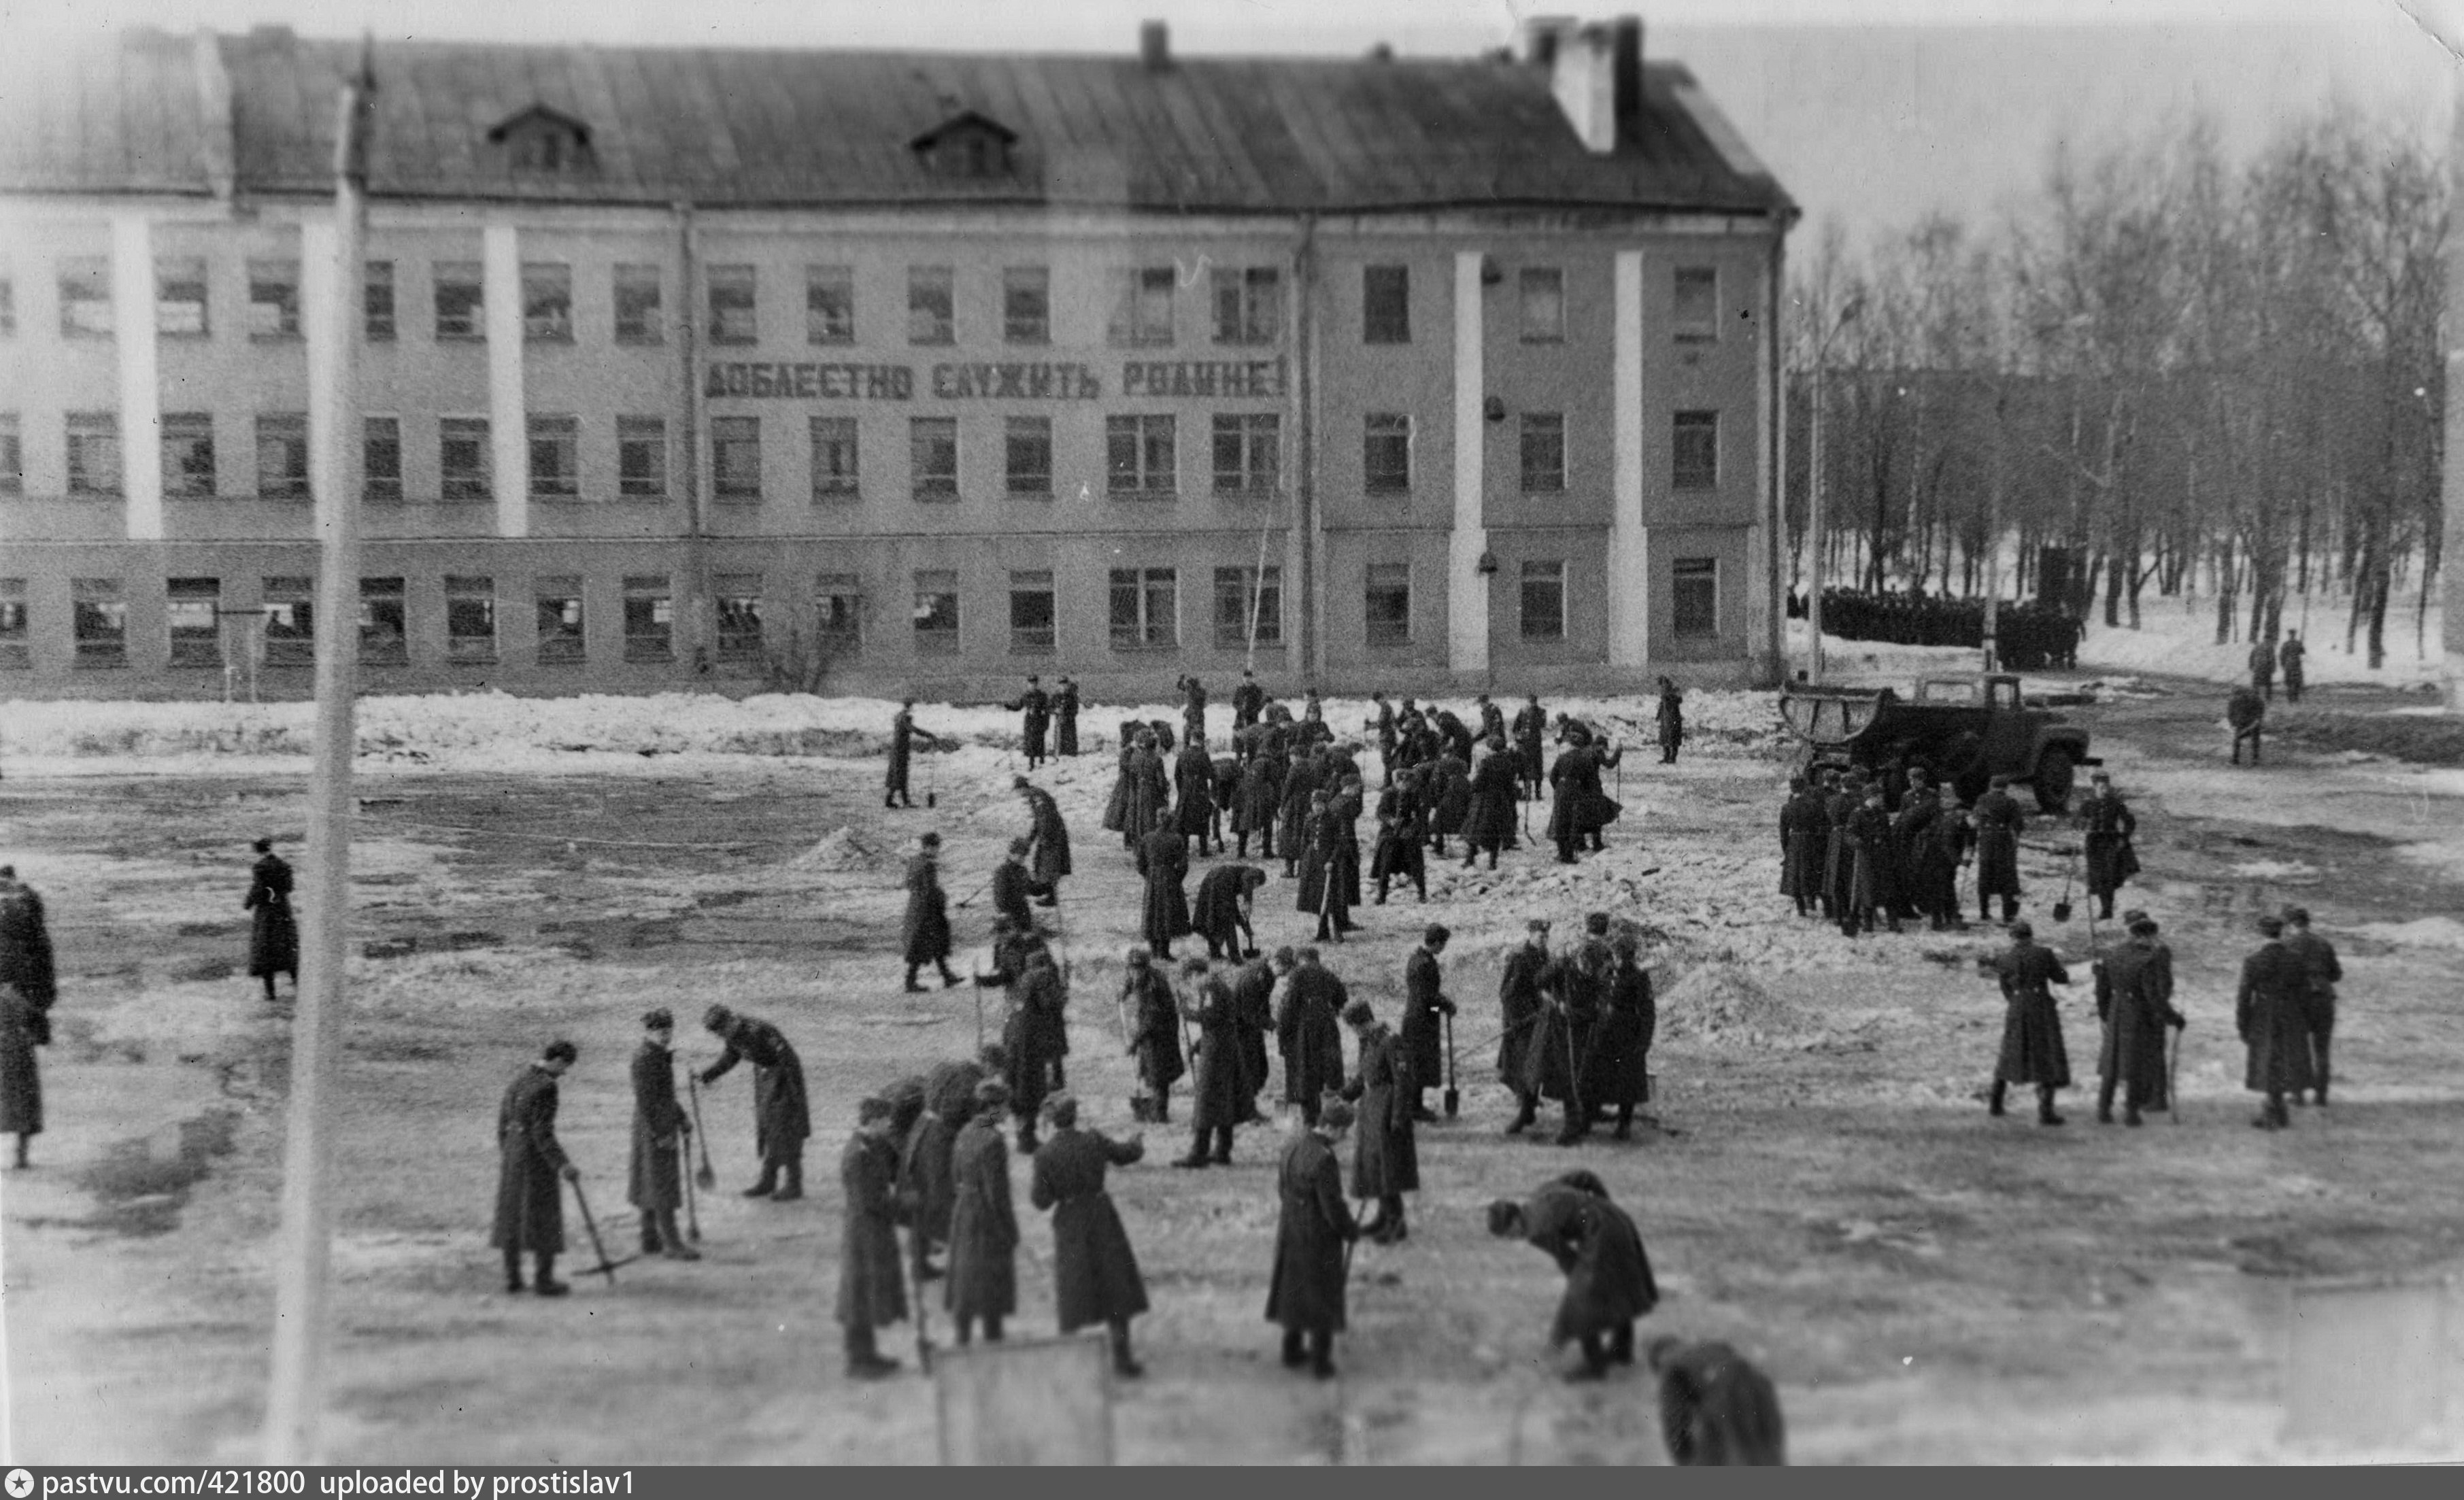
column 2054, row 775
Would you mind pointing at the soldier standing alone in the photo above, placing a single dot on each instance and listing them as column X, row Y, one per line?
column 2032, row 1030
column 273, row 937
column 2290, row 655
column 2318, row 961
column 2272, row 1012
column 1305, row 1292
column 530, row 1200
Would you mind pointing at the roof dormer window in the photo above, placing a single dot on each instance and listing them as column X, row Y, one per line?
column 967, row 144
column 544, row 140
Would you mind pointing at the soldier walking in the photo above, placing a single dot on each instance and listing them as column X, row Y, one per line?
column 781, row 1118
column 1094, row 1273
column 1608, row 1274
column 2272, row 1013
column 2032, row 1030
column 2318, row 961
column 872, row 1292
column 273, row 935
column 530, row 1197
column 983, row 1227
column 2134, row 997
column 927, row 924
column 1306, row 1291
column 655, row 1176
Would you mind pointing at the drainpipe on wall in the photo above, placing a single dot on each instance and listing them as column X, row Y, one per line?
column 693, row 601
column 1308, row 532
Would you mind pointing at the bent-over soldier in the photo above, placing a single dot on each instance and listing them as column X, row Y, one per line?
column 2032, row 1030
column 872, row 1292
column 1094, row 1273
column 1715, row 1408
column 2134, row 996
column 2272, row 1013
column 1608, row 1274
column 655, row 1178
column 1306, row 1291
column 530, row 1196
column 983, row 1227
column 782, row 1120
column 1221, row 912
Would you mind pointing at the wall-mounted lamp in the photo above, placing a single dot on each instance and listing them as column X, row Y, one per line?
column 1487, row 567
column 1494, row 409
column 1490, row 271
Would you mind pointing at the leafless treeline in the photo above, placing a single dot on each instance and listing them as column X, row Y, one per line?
column 2182, row 371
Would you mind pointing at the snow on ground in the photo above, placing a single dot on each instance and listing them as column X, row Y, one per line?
column 2428, row 932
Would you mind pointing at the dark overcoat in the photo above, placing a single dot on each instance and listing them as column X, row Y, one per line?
column 1608, row 1274
column 1154, row 1028
column 1163, row 859
column 1217, row 914
column 1495, row 792
column 902, row 750
column 1561, row 1040
column 2110, row 858
column 530, row 1166
column 1117, row 809
column 2272, row 1012
column 21, row 1079
column 2318, row 961
column 1094, row 1273
column 1030, row 1036
column 2134, row 994
column 1253, row 809
column 1307, row 1033
column 1036, row 718
column 1519, row 1005
column 1253, row 991
column 1291, row 822
column 1946, row 844
column 1149, row 794
column 26, row 946
column 1450, row 798
column 273, row 935
column 873, row 1289
column 927, row 925
column 924, row 1186
column 2032, row 1030
column 1385, row 1151
column 654, row 1179
column 1621, row 1049
column 1064, row 709
column 1425, row 1008
column 1999, row 822
column 1193, row 776
column 1322, row 887
column 1009, row 889
column 1577, row 779
column 782, row 1120
column 1305, row 1294
column 1873, row 879
column 1219, row 1093
column 1803, row 826
column 1531, row 737
column 1048, row 836
column 983, row 1227
column 1716, row 1410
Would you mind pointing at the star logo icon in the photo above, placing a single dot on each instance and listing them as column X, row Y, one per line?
column 20, row 1484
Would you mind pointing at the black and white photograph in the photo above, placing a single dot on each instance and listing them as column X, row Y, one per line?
column 1405, row 732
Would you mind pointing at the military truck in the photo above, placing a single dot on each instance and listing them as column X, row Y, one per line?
column 1968, row 729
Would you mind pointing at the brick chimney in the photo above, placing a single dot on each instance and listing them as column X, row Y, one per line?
column 1155, row 46
column 1595, row 72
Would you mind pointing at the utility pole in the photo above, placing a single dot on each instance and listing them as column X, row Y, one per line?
column 296, row 1400
column 1816, row 540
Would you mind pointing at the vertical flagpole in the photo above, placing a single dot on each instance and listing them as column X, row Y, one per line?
column 296, row 1402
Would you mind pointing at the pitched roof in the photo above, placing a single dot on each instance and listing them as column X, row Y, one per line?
column 747, row 128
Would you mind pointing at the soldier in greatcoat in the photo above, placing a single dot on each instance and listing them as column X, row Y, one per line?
column 1621, row 1049
column 1254, row 806
column 1558, row 1064
column 1155, row 1030
column 26, row 946
column 273, row 935
column 2111, row 860
column 1193, row 710
column 2272, row 1013
column 1064, row 718
column 1518, row 1004
column 983, row 1227
column 1163, row 859
column 1874, row 867
column 1403, row 831
column 926, row 1192
column 1032, row 1040
column 530, row 1162
column 903, row 733
column 1034, row 708
column 22, row 1029
column 2289, row 656
column 2134, row 997
column 1715, row 1408
column 926, row 930
column 1608, row 1274
column 782, row 1121
column 872, row 1291
column 1193, row 778
column 2032, row 1030
column 1425, row 1009
column 1322, row 890
column 655, row 1177
column 1946, row 848
column 1307, row 1032
column 1249, row 700
column 1217, row 1098
column 2263, row 667
column 1839, row 848
column 1386, row 1155
column 1305, row 1292
column 1801, row 831
column 2247, row 713
column 1489, row 822
column 2318, row 958
column 1011, row 885
column 1048, row 842
column 1253, row 1009
column 1530, row 737
column 1669, row 719
column 1999, row 822
column 1221, row 912
column 1447, row 796
column 1094, row 1273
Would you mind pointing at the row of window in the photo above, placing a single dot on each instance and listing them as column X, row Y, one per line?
column 1141, row 456
column 1143, row 604
column 1245, row 302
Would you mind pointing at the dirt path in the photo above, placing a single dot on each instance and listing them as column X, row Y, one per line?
column 1926, row 1284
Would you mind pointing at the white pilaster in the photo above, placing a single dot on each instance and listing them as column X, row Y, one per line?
column 1628, row 574
column 141, row 385
column 1466, row 590
column 322, row 308
column 508, row 415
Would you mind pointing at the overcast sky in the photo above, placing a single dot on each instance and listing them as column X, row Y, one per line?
column 1872, row 110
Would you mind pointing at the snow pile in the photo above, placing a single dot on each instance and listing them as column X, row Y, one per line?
column 2428, row 932
column 1722, row 1003
column 840, row 850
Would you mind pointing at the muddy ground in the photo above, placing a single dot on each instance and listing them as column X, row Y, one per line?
column 1927, row 1285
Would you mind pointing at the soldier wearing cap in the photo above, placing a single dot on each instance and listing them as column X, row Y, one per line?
column 2272, row 1012
column 1306, row 1291
column 983, row 1227
column 1999, row 822
column 1094, row 1273
column 660, row 1126
column 1608, row 1274
column 2110, row 859
column 872, row 1292
column 2318, row 961
column 2032, row 1030
column 1519, row 1005
column 530, row 1201
column 2134, row 996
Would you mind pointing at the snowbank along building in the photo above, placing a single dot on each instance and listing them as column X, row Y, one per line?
column 683, row 368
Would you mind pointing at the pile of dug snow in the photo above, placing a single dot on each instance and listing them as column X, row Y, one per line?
column 1722, row 1003
column 2428, row 932
column 840, row 851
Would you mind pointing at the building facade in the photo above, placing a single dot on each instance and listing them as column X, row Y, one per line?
column 876, row 371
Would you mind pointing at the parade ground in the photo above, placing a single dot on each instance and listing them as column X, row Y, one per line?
column 1924, row 1284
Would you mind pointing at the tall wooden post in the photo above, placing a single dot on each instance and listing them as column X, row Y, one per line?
column 296, row 1400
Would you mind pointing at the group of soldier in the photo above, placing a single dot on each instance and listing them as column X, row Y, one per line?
column 2027, row 636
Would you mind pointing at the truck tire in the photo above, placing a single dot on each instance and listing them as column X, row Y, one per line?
column 2055, row 772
